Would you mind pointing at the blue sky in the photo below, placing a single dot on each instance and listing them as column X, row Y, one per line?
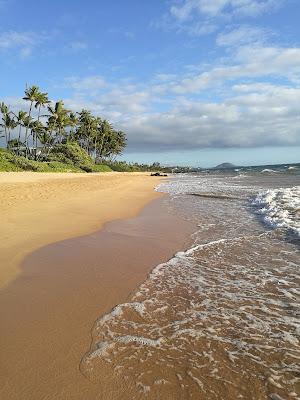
column 190, row 81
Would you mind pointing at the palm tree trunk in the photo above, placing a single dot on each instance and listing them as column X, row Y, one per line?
column 36, row 136
column 6, row 138
column 101, row 147
column 46, row 143
column 27, row 127
column 19, row 139
column 95, row 149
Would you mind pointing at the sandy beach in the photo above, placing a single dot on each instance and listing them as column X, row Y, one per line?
column 56, row 282
column 41, row 208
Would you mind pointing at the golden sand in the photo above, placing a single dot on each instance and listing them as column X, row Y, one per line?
column 42, row 208
column 47, row 313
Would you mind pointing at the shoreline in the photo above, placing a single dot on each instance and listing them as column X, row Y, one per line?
column 48, row 311
column 41, row 208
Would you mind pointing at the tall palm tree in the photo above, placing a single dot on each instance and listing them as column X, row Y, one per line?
column 5, row 111
column 31, row 95
column 58, row 119
column 73, row 121
column 96, row 136
column 105, row 129
column 38, row 130
column 46, row 138
column 86, row 126
column 8, row 124
column 41, row 101
column 21, row 120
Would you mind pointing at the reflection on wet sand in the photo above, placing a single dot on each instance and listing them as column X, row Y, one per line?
column 218, row 321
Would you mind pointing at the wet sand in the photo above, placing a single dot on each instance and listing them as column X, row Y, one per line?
column 42, row 208
column 47, row 313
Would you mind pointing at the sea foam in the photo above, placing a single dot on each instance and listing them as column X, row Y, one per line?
column 280, row 207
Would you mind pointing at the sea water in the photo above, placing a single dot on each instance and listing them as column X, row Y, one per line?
column 221, row 319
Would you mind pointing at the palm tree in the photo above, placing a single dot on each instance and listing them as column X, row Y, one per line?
column 38, row 130
column 31, row 94
column 58, row 119
column 11, row 125
column 46, row 138
column 5, row 111
column 41, row 101
column 96, row 136
column 105, row 129
column 8, row 123
column 73, row 121
column 21, row 119
column 87, row 125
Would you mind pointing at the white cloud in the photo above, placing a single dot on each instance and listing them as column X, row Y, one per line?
column 238, row 102
column 202, row 17
column 126, row 101
column 243, row 35
column 247, row 62
column 253, row 120
column 78, row 45
column 171, row 111
column 250, row 115
column 21, row 42
column 12, row 39
column 89, row 83
column 214, row 8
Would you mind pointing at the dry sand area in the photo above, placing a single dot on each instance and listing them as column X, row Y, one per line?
column 41, row 208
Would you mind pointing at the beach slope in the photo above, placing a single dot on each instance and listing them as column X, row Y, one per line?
column 42, row 208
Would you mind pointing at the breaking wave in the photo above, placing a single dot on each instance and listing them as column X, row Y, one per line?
column 281, row 207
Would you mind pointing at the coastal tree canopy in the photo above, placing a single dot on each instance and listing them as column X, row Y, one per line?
column 34, row 135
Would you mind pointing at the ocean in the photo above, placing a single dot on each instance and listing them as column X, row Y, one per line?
column 220, row 320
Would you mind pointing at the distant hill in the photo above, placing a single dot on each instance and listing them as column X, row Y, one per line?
column 225, row 165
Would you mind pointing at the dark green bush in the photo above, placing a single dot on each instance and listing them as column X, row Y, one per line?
column 101, row 168
column 6, row 161
column 122, row 166
column 64, row 158
column 72, row 153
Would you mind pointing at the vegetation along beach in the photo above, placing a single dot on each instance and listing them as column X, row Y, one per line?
column 149, row 200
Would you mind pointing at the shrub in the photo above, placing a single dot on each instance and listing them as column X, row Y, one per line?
column 122, row 166
column 64, row 158
column 72, row 153
column 56, row 166
column 25, row 164
column 6, row 161
column 101, row 168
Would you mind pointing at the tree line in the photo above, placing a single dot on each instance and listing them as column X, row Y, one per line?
column 36, row 132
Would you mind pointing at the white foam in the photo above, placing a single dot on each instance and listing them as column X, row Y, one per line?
column 281, row 207
column 140, row 340
column 267, row 170
column 232, row 296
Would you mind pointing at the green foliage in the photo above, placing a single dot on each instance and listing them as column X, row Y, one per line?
column 73, row 154
column 38, row 134
column 66, row 158
column 101, row 168
column 11, row 162
column 6, row 161
column 56, row 166
column 25, row 164
column 38, row 166
column 122, row 166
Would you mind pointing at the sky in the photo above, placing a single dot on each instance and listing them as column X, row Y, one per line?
column 191, row 82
